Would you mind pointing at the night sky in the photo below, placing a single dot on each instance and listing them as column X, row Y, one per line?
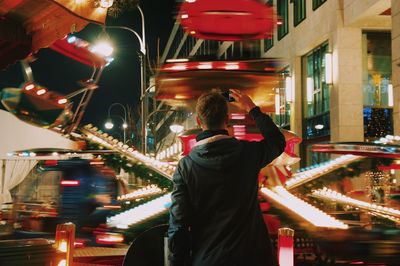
column 120, row 81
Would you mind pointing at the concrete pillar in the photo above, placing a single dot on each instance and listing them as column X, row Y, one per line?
column 346, row 113
column 395, row 64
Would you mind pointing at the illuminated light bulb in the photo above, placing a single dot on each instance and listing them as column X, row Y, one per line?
column 29, row 87
column 62, row 246
column 41, row 92
column 106, row 3
column 103, row 48
column 184, row 16
column 62, row 263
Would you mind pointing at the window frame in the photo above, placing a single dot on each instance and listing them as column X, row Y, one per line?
column 317, row 3
column 298, row 6
column 283, row 29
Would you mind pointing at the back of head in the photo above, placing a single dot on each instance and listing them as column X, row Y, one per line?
column 212, row 110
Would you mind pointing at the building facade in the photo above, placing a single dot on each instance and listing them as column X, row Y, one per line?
column 340, row 58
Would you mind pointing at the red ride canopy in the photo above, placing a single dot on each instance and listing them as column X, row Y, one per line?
column 79, row 51
column 228, row 20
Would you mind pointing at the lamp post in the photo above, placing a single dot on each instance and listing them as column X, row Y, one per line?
column 109, row 124
column 143, row 95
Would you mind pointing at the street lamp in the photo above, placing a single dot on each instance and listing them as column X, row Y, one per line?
column 143, row 96
column 109, row 124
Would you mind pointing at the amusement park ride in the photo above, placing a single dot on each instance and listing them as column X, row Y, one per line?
column 361, row 229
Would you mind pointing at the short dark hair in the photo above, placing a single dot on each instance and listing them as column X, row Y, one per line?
column 212, row 109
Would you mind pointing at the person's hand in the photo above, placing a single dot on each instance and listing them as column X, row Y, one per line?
column 242, row 101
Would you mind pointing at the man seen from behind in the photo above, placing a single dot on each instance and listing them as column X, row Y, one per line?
column 215, row 218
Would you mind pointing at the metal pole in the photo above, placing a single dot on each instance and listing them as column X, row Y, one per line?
column 143, row 103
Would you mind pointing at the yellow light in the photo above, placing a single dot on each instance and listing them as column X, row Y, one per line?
column 192, row 32
column 62, row 246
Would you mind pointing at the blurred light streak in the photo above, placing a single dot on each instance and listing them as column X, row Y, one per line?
column 302, row 208
column 330, row 194
column 140, row 213
column 319, row 170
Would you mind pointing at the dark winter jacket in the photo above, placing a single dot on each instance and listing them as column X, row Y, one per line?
column 215, row 218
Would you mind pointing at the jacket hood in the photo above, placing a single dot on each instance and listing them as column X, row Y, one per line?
column 216, row 152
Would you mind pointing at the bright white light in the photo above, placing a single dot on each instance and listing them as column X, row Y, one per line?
column 108, row 125
column 62, row 246
column 124, row 125
column 327, row 193
column 178, row 67
column 71, row 39
column 184, row 16
column 190, row 1
column 319, row 170
column 177, row 60
column 29, row 87
column 390, row 95
column 328, row 68
column 231, row 66
column 176, row 128
column 140, row 213
column 204, row 66
column 277, row 104
column 106, row 3
column 41, row 92
column 62, row 263
column 289, row 89
column 62, row 101
column 310, row 90
column 32, row 154
column 319, row 126
column 103, row 48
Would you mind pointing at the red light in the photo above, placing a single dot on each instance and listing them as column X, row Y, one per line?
column 70, row 183
column 51, row 163
column 79, row 243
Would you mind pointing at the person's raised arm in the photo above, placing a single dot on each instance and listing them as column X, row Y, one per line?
column 274, row 142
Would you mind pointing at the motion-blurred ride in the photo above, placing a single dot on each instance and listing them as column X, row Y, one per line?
column 86, row 196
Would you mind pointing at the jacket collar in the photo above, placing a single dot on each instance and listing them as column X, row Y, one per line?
column 209, row 133
column 212, row 139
